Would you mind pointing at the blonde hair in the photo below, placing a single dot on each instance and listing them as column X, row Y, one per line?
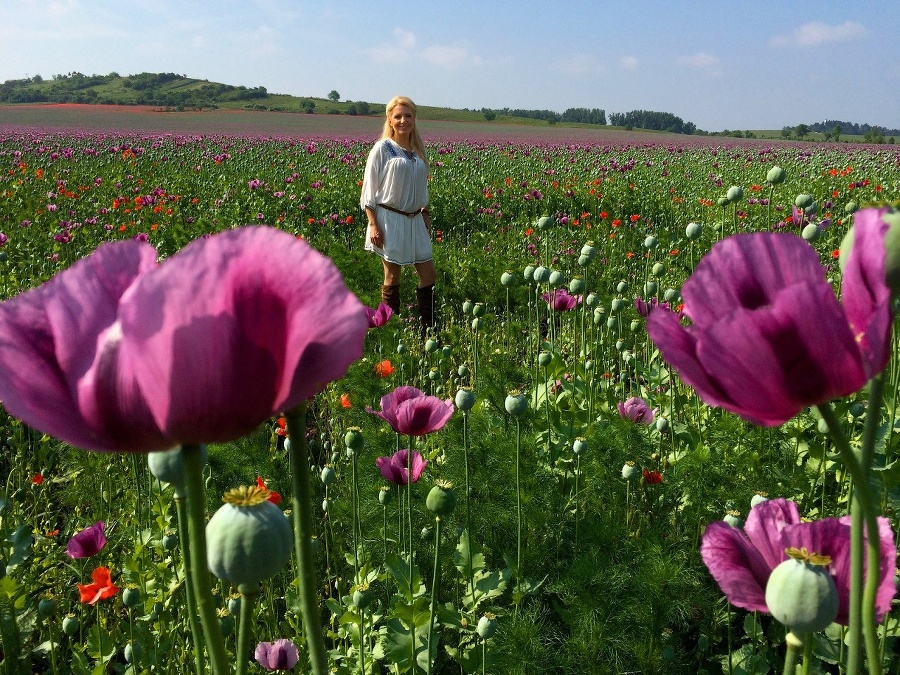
column 387, row 131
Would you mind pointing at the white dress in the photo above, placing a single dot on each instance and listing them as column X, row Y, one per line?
column 399, row 179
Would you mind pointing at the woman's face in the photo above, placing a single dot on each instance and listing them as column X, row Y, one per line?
column 402, row 120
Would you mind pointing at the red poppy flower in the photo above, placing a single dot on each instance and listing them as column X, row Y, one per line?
column 652, row 477
column 37, row 479
column 101, row 589
column 345, row 401
column 274, row 497
column 282, row 427
column 384, row 368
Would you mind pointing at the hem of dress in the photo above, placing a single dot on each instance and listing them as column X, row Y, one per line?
column 382, row 255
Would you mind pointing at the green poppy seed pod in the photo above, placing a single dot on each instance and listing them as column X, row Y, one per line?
column 328, row 475
column 463, row 370
column 622, row 287
column 579, row 446
column 822, row 427
column 723, row 201
column 446, row 351
column 635, row 325
column 591, row 299
column 629, row 470
column 651, row 242
column 589, row 250
column 662, row 424
column 802, row 595
column 670, row 295
column 249, row 539
column 812, row 209
column 226, row 625
column 477, row 323
column 131, row 597
column 588, row 366
column 362, row 597
column 528, row 273
column 353, row 439
column 441, row 499
column 427, row 533
column 326, row 504
column 851, row 207
column 857, row 409
column 545, row 359
column 385, row 496
column 576, row 286
column 541, row 274
column 508, row 279
column 757, row 499
column 811, row 232
column 70, row 625
column 434, row 374
column 612, row 322
column 170, row 542
column 584, row 261
column 617, row 305
column 168, row 466
column 658, row 269
column 803, row 200
column 516, row 404
column 733, row 518
column 599, row 316
column 735, row 194
column 651, row 287
column 132, row 652
column 479, row 309
column 431, row 345
column 487, row 626
column 467, row 306
column 465, row 399
column 401, row 348
column 545, row 222
column 287, row 444
column 775, row 175
column 46, row 608
column 555, row 279
column 621, row 345
column 693, row 231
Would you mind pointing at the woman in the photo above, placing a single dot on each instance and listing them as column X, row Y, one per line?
column 395, row 198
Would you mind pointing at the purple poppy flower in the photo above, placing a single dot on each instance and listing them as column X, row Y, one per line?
column 769, row 337
column 561, row 301
column 636, row 410
column 643, row 308
column 379, row 316
column 120, row 354
column 412, row 412
column 396, row 470
column 741, row 560
column 279, row 655
column 90, row 541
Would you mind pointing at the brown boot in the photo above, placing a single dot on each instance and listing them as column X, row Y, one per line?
column 425, row 300
column 390, row 295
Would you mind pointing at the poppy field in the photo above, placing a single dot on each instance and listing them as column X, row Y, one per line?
column 661, row 396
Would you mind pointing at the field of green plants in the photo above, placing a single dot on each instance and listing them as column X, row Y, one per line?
column 583, row 470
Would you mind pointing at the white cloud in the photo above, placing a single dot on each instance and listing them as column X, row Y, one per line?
column 451, row 56
column 395, row 51
column 818, row 33
column 699, row 60
column 579, row 65
column 405, row 38
column 628, row 62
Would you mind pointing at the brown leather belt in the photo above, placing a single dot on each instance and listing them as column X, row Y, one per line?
column 408, row 214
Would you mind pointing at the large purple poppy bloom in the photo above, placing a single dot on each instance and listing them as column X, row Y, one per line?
column 119, row 354
column 741, row 560
column 636, row 410
column 769, row 337
column 397, row 469
column 279, row 655
column 412, row 412
column 90, row 541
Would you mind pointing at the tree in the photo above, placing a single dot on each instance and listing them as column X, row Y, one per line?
column 802, row 130
column 334, row 96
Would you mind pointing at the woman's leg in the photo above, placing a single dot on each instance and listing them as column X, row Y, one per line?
column 390, row 288
column 425, row 293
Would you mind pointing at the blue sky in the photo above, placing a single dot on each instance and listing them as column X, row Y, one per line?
column 720, row 64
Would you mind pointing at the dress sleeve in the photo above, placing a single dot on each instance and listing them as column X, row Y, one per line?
column 372, row 177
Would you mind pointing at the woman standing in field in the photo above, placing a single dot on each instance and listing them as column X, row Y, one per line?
column 395, row 198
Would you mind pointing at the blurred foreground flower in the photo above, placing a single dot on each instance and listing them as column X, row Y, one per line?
column 412, row 412
column 279, row 655
column 120, row 354
column 741, row 561
column 769, row 337
column 90, row 541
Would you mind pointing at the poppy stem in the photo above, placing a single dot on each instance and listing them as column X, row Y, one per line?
column 193, row 619
column 792, row 655
column 303, row 533
column 435, row 577
column 245, row 629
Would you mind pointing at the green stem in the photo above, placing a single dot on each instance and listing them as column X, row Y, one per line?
column 807, row 655
column 435, row 577
column 245, row 630
column 518, row 501
column 303, row 533
column 193, row 618
column 792, row 655
column 198, row 573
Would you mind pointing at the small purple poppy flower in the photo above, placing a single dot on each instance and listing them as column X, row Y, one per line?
column 741, row 560
column 636, row 410
column 397, row 469
column 561, row 301
column 379, row 316
column 279, row 655
column 3, row 239
column 90, row 541
column 412, row 412
column 643, row 308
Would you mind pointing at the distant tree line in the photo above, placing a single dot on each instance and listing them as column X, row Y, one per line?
column 649, row 119
column 833, row 129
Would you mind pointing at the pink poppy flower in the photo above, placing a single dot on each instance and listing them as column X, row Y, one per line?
column 120, row 354
column 412, row 412
column 90, row 541
column 279, row 655
column 561, row 300
column 636, row 410
column 395, row 469
column 379, row 316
